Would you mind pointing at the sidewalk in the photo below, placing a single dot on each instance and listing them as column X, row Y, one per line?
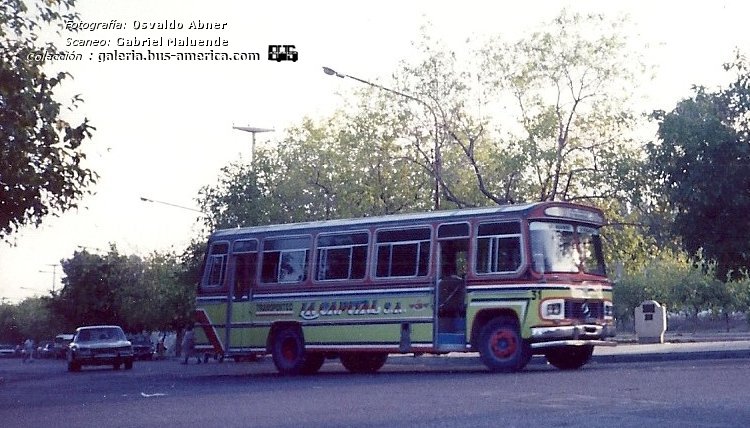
column 675, row 348
column 697, row 346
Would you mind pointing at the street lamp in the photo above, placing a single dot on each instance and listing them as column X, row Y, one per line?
column 170, row 204
column 253, row 130
column 438, row 160
column 54, row 275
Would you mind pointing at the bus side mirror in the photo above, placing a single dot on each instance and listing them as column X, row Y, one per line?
column 539, row 263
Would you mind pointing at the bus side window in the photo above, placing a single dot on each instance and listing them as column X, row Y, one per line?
column 244, row 274
column 498, row 247
column 342, row 256
column 285, row 260
column 217, row 261
column 403, row 252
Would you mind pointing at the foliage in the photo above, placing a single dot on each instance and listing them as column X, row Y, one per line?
column 41, row 171
column 700, row 165
column 684, row 286
column 319, row 171
column 30, row 318
column 136, row 293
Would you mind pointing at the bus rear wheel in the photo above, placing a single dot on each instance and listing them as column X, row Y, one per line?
column 313, row 363
column 363, row 362
column 501, row 347
column 569, row 357
column 288, row 351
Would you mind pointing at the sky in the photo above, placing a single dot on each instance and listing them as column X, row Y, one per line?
column 164, row 129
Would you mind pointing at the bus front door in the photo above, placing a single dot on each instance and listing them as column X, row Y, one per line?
column 451, row 295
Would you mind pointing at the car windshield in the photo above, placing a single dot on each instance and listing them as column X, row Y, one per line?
column 567, row 248
column 103, row 333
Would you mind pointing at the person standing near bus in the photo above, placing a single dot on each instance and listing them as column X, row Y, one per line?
column 28, row 350
column 188, row 346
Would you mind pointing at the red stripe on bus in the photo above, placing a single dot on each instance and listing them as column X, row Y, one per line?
column 201, row 317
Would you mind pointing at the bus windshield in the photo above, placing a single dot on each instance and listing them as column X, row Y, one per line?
column 566, row 248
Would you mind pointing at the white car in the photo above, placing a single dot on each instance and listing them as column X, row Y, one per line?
column 100, row 345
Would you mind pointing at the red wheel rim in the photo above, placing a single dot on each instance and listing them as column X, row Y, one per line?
column 503, row 344
column 289, row 350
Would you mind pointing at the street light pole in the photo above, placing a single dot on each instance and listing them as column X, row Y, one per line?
column 54, row 275
column 253, row 130
column 438, row 159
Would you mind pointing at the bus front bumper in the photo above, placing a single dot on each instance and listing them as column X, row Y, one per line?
column 572, row 335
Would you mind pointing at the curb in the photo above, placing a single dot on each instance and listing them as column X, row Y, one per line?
column 671, row 356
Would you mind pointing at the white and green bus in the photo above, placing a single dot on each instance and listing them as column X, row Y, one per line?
column 506, row 282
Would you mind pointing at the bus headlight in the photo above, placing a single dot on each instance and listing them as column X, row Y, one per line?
column 609, row 310
column 552, row 309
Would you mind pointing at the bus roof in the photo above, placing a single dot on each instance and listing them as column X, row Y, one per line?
column 458, row 214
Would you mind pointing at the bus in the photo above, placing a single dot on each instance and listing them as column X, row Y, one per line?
column 507, row 282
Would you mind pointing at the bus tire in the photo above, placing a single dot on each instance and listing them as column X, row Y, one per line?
column 363, row 362
column 313, row 363
column 569, row 357
column 501, row 347
column 288, row 351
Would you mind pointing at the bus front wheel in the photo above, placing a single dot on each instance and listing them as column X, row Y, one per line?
column 501, row 347
column 289, row 351
column 363, row 362
column 569, row 357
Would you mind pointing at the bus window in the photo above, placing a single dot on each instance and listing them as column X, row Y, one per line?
column 217, row 260
column 403, row 252
column 245, row 253
column 591, row 250
column 285, row 260
column 342, row 256
column 555, row 242
column 498, row 248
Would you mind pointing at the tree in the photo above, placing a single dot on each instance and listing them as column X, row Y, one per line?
column 138, row 293
column 700, row 166
column 93, row 287
column 41, row 158
column 544, row 117
column 337, row 168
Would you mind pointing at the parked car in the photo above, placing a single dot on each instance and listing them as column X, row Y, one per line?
column 100, row 345
column 142, row 347
column 7, row 351
column 62, row 341
column 45, row 349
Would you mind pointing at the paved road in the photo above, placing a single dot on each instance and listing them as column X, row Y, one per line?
column 424, row 391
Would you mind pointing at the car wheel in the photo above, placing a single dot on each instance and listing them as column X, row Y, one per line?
column 128, row 364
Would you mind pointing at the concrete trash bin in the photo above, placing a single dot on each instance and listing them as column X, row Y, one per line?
column 650, row 322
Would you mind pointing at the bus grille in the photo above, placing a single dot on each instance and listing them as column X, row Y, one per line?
column 584, row 310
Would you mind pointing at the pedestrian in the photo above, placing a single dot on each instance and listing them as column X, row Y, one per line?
column 161, row 349
column 28, row 351
column 188, row 346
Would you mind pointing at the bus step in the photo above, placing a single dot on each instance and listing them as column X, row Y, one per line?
column 452, row 339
